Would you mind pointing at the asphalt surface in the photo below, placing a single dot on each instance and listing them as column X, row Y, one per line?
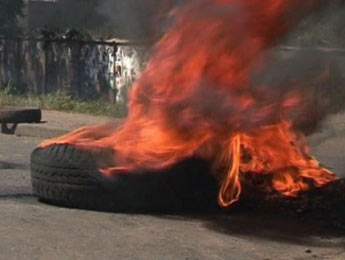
column 32, row 230
column 55, row 123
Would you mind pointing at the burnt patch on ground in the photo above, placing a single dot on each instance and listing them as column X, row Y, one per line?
column 324, row 206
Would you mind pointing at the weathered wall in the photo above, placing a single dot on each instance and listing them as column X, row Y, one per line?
column 84, row 70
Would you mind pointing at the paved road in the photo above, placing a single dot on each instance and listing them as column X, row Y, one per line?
column 31, row 230
column 56, row 123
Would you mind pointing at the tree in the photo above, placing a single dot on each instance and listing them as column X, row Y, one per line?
column 10, row 10
column 323, row 28
column 136, row 19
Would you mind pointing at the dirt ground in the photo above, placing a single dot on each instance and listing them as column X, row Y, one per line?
column 32, row 230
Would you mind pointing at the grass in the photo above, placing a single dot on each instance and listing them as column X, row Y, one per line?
column 61, row 102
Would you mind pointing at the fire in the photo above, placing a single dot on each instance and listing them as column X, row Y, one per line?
column 196, row 98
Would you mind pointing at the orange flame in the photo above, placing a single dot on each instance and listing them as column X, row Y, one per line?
column 196, row 98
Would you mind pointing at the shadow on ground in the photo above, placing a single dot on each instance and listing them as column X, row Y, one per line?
column 256, row 225
column 253, row 224
column 11, row 166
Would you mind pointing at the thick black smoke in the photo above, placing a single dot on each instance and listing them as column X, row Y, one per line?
column 312, row 58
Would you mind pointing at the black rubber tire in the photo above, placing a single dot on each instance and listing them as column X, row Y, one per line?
column 20, row 115
column 66, row 176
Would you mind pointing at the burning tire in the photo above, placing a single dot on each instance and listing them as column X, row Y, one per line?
column 20, row 115
column 67, row 176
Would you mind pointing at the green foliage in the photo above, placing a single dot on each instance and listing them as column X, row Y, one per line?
column 9, row 89
column 10, row 10
column 326, row 27
column 62, row 102
column 311, row 33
